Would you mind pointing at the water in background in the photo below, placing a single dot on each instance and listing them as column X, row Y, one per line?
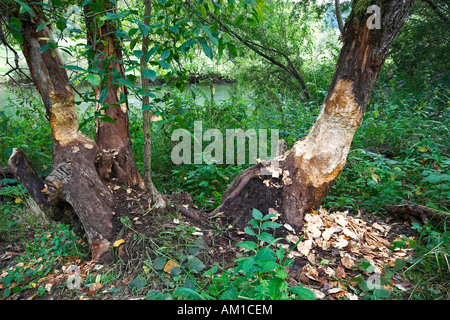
column 11, row 99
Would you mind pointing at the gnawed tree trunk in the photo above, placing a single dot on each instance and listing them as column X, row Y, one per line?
column 115, row 158
column 24, row 172
column 300, row 178
column 55, row 210
column 74, row 179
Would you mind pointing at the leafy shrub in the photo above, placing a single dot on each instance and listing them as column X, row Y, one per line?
column 261, row 274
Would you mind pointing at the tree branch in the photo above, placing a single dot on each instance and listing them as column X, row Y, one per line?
column 257, row 48
column 339, row 16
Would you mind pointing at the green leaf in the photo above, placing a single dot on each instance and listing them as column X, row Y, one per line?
column 61, row 25
column 303, row 293
column 147, row 107
column 206, row 49
column 164, row 64
column 121, row 34
column 281, row 273
column 111, row 15
column 75, row 68
column 159, row 263
column 381, row 293
column 15, row 26
column 266, row 237
column 174, row 29
column 149, row 73
column 239, row 19
column 232, row 50
column 247, row 245
column 106, row 118
column 269, row 224
column 103, row 95
column 41, row 26
column 274, row 287
column 182, row 291
column 137, row 283
column 269, row 266
column 93, row 79
column 248, row 264
column 24, row 7
column 165, row 54
column 257, row 214
column 194, row 264
column 138, row 53
column 249, row 230
column 187, row 44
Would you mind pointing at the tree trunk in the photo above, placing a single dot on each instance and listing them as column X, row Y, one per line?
column 24, row 172
column 156, row 197
column 300, row 178
column 74, row 179
column 115, row 159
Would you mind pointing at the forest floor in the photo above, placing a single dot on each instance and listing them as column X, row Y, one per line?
column 338, row 255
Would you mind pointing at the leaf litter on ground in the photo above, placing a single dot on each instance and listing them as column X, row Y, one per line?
column 332, row 248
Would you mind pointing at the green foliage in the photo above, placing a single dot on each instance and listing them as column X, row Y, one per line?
column 49, row 248
column 430, row 271
column 420, row 37
column 399, row 154
column 23, row 125
column 261, row 273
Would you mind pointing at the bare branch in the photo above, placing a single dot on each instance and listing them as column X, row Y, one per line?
column 339, row 16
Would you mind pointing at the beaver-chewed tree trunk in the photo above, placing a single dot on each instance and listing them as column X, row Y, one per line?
column 115, row 158
column 299, row 179
column 74, row 179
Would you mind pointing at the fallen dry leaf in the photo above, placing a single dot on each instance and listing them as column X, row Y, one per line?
column 326, row 235
column 310, row 272
column 347, row 261
column 341, row 243
column 341, row 220
column 340, row 272
column 314, row 231
column 304, row 247
column 118, row 243
column 170, row 264
column 292, row 238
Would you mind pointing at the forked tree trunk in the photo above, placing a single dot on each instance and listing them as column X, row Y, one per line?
column 115, row 158
column 301, row 177
column 74, row 179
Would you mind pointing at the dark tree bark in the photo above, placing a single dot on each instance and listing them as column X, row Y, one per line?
column 302, row 176
column 115, row 158
column 24, row 172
